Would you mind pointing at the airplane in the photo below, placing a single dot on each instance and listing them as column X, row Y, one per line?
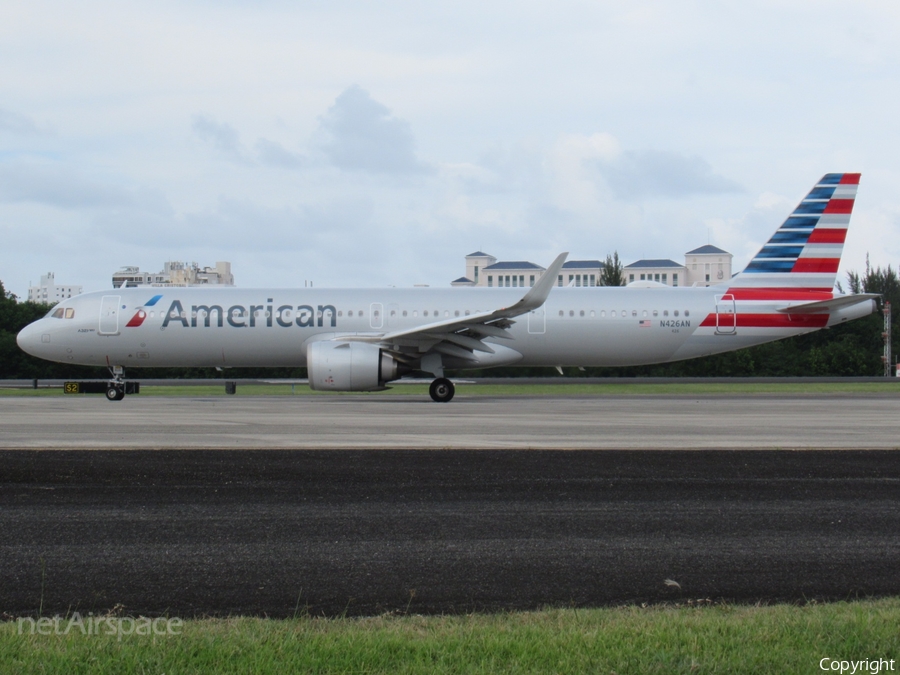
column 363, row 339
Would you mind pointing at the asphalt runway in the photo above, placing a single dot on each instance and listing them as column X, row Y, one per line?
column 286, row 532
column 362, row 421
column 360, row 504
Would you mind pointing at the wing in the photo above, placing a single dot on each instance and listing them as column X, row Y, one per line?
column 461, row 337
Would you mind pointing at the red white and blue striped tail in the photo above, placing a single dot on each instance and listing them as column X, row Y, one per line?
column 805, row 252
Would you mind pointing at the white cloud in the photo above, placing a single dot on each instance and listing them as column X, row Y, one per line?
column 272, row 153
column 18, row 124
column 62, row 187
column 361, row 135
column 655, row 173
column 518, row 128
column 222, row 136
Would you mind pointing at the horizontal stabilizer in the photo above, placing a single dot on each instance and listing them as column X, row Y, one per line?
column 825, row 306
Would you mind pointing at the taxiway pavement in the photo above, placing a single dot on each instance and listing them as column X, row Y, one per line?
column 473, row 422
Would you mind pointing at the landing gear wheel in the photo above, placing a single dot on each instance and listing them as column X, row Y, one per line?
column 115, row 392
column 442, row 390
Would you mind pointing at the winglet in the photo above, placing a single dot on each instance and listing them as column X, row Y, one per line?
column 538, row 293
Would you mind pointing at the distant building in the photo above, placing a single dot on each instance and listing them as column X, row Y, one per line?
column 666, row 272
column 483, row 269
column 707, row 266
column 704, row 266
column 49, row 292
column 580, row 273
column 175, row 274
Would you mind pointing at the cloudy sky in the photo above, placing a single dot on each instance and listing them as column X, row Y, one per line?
column 372, row 144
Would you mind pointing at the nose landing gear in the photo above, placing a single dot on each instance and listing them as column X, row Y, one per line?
column 115, row 388
column 115, row 391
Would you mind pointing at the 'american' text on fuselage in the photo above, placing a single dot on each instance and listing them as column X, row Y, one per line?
column 237, row 316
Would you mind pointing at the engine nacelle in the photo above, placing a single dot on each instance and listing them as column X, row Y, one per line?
column 349, row 366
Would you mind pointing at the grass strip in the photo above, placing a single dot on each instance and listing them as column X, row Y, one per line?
column 687, row 639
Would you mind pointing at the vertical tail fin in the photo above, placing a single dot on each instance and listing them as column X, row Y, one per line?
column 805, row 252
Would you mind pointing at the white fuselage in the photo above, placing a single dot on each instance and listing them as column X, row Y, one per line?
column 230, row 327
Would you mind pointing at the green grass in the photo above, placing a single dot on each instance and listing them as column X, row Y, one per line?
column 717, row 639
column 574, row 388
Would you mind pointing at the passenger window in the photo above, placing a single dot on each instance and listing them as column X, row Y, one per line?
column 581, row 313
column 571, row 312
column 687, row 313
column 456, row 313
column 624, row 313
column 415, row 312
column 644, row 313
column 676, row 312
column 655, row 312
column 613, row 314
column 340, row 313
column 593, row 314
column 602, row 313
column 634, row 312
column 665, row 312
column 562, row 313
column 404, row 312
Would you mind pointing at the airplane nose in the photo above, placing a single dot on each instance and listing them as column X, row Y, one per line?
column 29, row 338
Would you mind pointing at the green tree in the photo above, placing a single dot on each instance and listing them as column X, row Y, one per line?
column 14, row 316
column 612, row 273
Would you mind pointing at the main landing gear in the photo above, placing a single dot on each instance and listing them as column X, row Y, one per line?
column 442, row 390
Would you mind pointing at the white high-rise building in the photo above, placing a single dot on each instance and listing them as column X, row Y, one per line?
column 49, row 292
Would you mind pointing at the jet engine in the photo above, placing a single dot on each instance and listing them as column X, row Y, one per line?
column 350, row 366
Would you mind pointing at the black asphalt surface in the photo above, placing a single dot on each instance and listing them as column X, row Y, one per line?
column 196, row 532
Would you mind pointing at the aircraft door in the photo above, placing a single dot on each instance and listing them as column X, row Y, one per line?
column 537, row 321
column 376, row 315
column 109, row 315
column 726, row 315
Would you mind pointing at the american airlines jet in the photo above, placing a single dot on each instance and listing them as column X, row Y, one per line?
column 362, row 339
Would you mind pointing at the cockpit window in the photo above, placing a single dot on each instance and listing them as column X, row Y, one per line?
column 62, row 313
